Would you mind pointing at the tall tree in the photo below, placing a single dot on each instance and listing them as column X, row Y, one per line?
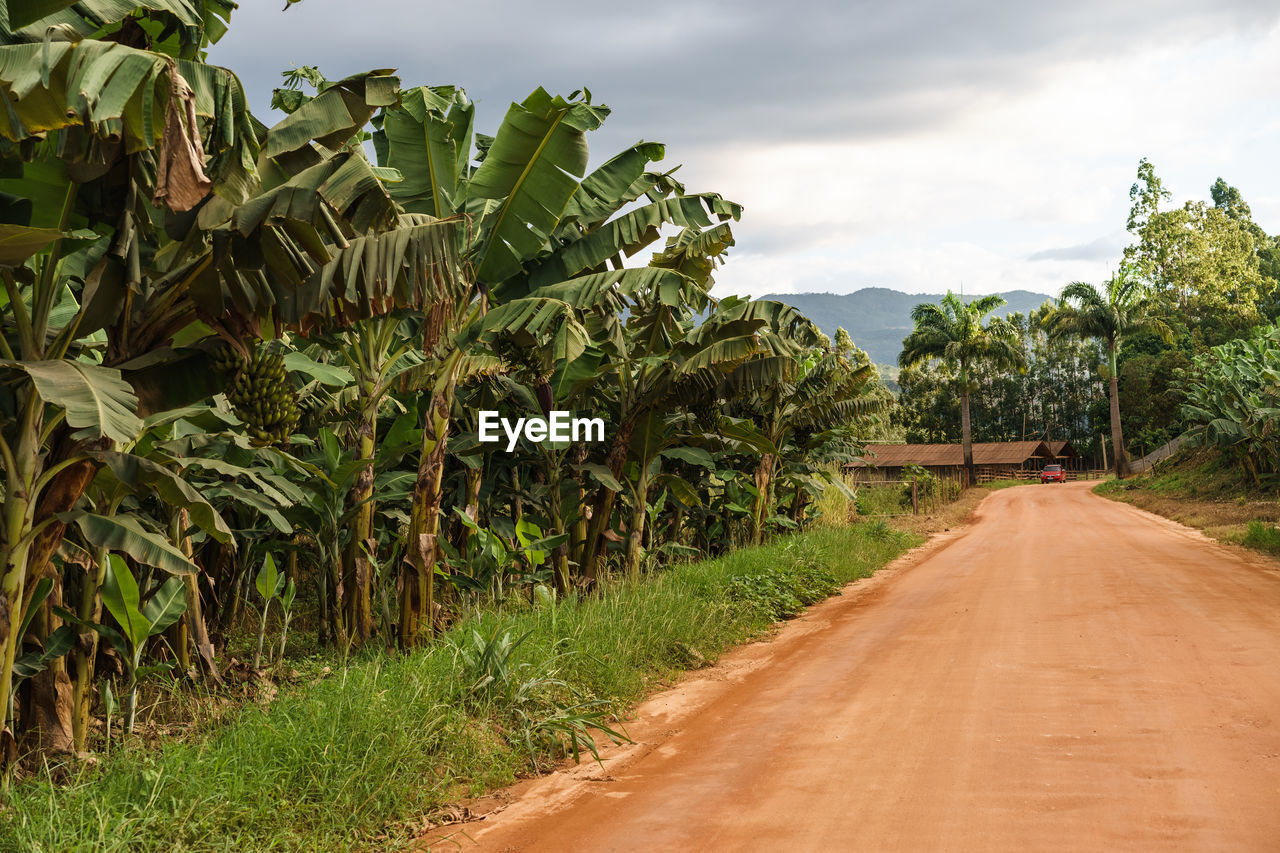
column 1121, row 308
column 956, row 333
column 1202, row 257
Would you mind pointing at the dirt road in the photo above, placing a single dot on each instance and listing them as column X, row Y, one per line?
column 1067, row 673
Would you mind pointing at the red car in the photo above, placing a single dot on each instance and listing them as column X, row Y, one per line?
column 1053, row 474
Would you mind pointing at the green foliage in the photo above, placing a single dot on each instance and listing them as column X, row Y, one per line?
column 786, row 589
column 1233, row 402
column 784, row 592
column 955, row 333
column 876, row 500
column 1263, row 537
column 270, row 585
column 1203, row 258
column 340, row 762
column 1213, row 274
column 545, row 715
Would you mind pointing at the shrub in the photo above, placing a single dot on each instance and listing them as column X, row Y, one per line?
column 785, row 590
column 883, row 500
column 1263, row 536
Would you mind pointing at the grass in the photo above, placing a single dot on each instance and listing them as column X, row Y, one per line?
column 997, row 485
column 358, row 759
column 1199, row 489
column 1262, row 537
column 883, row 500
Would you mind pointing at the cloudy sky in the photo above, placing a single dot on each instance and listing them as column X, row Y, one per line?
column 914, row 145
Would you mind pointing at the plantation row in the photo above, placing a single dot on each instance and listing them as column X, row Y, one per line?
column 241, row 367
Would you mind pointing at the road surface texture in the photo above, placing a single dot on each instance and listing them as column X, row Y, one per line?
column 1065, row 673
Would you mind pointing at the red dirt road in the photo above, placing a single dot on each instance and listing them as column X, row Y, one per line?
column 1066, row 673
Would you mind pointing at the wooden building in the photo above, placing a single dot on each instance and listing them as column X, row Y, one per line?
column 990, row 459
column 1066, row 455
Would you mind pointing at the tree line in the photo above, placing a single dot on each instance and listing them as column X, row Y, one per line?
column 1127, row 362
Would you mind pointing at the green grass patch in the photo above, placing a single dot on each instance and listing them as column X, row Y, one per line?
column 997, row 485
column 1262, row 536
column 1203, row 474
column 1202, row 489
column 893, row 499
column 354, row 760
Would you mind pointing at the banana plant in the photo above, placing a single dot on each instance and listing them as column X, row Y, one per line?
column 287, row 596
column 325, row 514
column 137, row 622
column 156, row 214
column 538, row 219
column 489, row 557
column 813, row 394
column 47, row 651
column 1233, row 402
column 271, row 586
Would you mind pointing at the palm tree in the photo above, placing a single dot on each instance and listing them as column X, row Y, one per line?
column 1122, row 308
column 954, row 332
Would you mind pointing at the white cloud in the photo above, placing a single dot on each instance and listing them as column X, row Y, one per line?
column 912, row 145
column 975, row 196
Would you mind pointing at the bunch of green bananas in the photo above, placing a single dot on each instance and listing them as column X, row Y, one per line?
column 706, row 412
column 260, row 394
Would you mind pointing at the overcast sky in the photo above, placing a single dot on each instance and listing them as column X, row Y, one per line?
column 914, row 145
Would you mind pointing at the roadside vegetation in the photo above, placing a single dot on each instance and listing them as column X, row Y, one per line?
column 357, row 758
column 1227, row 482
column 256, row 558
column 1204, row 489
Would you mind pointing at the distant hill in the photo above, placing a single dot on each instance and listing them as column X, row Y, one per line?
column 878, row 318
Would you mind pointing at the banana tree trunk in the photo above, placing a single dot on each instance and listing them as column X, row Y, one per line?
column 179, row 637
column 333, row 568
column 357, row 569
column 193, row 617
column 417, row 570
column 560, row 554
column 602, row 510
column 85, row 654
column 47, row 706
column 24, row 469
column 764, row 485
column 635, row 537
column 578, row 530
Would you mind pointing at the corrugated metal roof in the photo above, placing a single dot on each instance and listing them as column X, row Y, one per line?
column 939, row 455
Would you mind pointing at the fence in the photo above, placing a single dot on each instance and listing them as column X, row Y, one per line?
column 910, row 495
column 1027, row 474
column 1137, row 466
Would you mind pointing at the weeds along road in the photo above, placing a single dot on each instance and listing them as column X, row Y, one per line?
column 1066, row 673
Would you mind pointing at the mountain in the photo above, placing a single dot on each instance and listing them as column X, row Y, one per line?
column 878, row 318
